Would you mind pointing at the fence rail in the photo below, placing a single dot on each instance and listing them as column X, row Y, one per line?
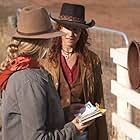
column 119, row 33
column 127, row 94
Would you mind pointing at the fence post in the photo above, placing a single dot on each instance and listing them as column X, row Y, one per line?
column 124, row 109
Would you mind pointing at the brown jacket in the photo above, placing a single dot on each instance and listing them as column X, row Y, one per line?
column 92, row 89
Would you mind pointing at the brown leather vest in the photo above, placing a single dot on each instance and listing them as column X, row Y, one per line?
column 70, row 93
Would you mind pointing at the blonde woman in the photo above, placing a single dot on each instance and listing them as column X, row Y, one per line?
column 31, row 107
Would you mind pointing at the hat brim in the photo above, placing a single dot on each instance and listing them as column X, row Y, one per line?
column 73, row 23
column 52, row 34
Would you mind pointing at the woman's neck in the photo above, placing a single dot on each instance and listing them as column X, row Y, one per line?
column 67, row 52
column 68, row 49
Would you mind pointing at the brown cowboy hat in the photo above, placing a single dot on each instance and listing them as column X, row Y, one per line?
column 134, row 64
column 34, row 23
column 73, row 15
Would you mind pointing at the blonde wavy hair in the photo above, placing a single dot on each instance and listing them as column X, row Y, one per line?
column 36, row 48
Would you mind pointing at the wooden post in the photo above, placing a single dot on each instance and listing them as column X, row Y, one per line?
column 124, row 109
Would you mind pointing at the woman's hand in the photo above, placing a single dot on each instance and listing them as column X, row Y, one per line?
column 81, row 127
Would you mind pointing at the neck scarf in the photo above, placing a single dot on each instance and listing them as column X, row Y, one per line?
column 19, row 63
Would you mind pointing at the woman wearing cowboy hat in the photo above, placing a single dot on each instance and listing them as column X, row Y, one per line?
column 76, row 70
column 31, row 108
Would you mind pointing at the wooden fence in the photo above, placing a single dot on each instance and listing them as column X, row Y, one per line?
column 126, row 98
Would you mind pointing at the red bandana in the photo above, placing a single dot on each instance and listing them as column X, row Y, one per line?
column 20, row 63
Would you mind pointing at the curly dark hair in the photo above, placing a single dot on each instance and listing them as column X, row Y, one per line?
column 81, row 47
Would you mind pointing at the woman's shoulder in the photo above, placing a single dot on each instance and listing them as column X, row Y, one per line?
column 29, row 75
column 94, row 57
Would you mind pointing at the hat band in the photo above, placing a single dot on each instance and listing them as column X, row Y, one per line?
column 36, row 33
column 71, row 18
